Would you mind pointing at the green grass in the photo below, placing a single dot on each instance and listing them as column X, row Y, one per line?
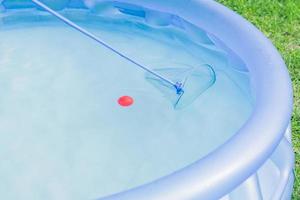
column 279, row 20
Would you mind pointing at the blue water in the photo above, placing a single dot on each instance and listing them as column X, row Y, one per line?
column 63, row 134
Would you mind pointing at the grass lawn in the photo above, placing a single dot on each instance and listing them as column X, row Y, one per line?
column 280, row 21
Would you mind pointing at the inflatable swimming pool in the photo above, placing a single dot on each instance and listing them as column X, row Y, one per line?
column 79, row 121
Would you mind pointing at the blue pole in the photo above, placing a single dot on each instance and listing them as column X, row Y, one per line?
column 178, row 86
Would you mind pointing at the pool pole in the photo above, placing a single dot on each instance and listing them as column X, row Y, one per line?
column 178, row 85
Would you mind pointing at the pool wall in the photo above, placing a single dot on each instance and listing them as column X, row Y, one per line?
column 257, row 162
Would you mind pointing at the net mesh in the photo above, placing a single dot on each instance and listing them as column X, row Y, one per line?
column 195, row 80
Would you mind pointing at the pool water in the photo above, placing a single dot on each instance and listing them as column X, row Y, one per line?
column 63, row 133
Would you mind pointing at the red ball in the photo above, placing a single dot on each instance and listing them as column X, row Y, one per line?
column 125, row 101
